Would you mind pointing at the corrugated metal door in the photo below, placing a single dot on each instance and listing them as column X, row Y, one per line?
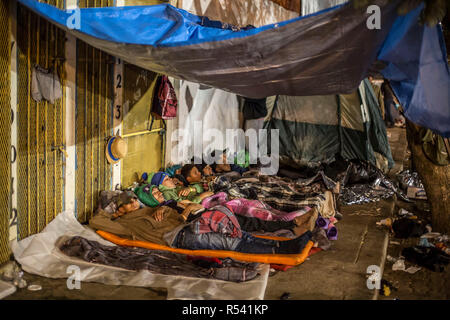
column 93, row 122
column 40, row 141
column 5, row 132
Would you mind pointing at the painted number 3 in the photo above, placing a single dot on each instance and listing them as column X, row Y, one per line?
column 117, row 112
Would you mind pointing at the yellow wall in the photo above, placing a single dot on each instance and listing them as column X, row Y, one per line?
column 144, row 149
column 5, row 122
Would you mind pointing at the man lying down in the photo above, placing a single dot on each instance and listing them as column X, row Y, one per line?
column 191, row 226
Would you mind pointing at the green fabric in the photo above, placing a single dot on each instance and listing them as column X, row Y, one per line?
column 434, row 147
column 354, row 145
column 146, row 198
column 305, row 144
column 172, row 194
column 198, row 187
column 376, row 131
column 246, row 163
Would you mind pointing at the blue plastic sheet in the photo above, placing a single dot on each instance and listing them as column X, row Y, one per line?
column 418, row 71
column 328, row 52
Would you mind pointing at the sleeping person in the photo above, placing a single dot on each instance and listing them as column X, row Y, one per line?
column 253, row 208
column 171, row 191
column 217, row 228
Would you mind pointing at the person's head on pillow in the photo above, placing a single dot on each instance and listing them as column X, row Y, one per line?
column 162, row 178
column 150, row 195
column 191, row 173
column 126, row 202
column 205, row 169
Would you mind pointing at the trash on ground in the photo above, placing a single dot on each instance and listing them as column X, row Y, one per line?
column 386, row 288
column 285, row 296
column 34, row 287
column 9, row 271
column 399, row 265
column 443, row 247
column 365, row 183
column 423, row 242
column 407, row 228
column 385, row 222
column 19, row 281
column 408, row 178
column 413, row 270
column 431, row 258
column 411, row 183
column 430, row 235
column 405, row 213
column 391, row 259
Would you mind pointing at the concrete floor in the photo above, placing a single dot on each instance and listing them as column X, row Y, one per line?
column 337, row 274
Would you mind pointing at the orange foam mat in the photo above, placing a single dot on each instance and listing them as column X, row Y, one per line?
column 286, row 259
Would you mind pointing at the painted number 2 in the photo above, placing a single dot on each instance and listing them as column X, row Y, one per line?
column 119, row 81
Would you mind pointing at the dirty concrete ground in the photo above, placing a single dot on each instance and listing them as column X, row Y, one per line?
column 336, row 274
column 424, row 284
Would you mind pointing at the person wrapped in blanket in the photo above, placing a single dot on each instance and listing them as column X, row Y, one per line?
column 187, row 226
column 294, row 203
column 279, row 196
column 250, row 208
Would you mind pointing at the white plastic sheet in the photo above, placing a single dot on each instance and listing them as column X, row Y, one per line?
column 215, row 108
column 212, row 109
column 38, row 255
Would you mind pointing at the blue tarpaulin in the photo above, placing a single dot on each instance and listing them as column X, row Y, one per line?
column 328, row 52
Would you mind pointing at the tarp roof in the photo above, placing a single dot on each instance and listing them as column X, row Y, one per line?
column 328, row 52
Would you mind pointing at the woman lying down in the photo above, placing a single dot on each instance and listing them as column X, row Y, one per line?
column 191, row 226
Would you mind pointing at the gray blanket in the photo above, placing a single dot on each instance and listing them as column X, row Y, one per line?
column 158, row 261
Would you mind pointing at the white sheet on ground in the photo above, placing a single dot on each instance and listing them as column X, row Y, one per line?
column 6, row 289
column 38, row 255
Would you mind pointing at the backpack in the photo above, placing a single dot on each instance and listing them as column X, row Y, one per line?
column 164, row 100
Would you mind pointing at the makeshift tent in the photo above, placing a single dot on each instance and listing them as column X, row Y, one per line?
column 315, row 129
column 289, row 58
